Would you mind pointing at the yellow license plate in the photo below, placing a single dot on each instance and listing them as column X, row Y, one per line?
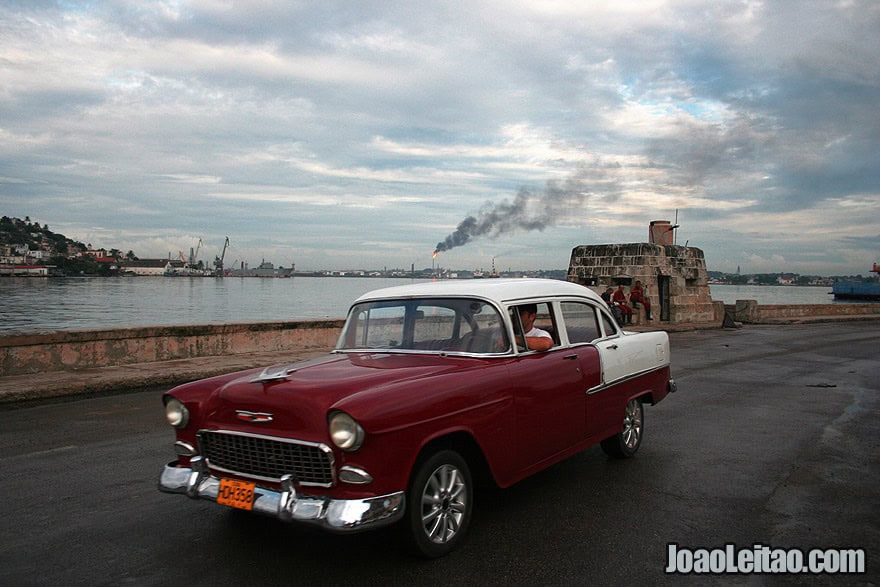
column 237, row 494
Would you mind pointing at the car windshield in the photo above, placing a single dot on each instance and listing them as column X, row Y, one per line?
column 429, row 324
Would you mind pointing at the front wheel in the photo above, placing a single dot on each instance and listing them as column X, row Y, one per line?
column 625, row 443
column 439, row 504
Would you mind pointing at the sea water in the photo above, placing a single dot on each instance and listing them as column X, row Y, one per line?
column 32, row 304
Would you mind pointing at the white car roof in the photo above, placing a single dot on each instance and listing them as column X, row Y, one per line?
column 498, row 290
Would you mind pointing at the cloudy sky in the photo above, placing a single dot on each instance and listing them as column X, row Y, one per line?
column 362, row 134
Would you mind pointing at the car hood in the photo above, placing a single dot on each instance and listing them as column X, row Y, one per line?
column 295, row 399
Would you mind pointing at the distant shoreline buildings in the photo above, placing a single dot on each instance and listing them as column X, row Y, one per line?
column 28, row 249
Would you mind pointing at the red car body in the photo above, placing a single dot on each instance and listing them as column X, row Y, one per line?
column 397, row 425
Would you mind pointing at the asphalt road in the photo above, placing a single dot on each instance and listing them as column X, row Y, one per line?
column 772, row 438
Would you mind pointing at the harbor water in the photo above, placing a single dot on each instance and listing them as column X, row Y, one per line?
column 772, row 294
column 43, row 304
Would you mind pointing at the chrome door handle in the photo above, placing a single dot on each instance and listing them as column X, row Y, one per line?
column 613, row 347
column 570, row 357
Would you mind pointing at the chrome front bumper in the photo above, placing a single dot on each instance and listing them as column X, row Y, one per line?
column 338, row 515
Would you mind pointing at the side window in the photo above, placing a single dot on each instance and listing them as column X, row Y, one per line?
column 580, row 322
column 610, row 325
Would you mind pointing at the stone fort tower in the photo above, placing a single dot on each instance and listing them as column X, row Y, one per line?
column 675, row 277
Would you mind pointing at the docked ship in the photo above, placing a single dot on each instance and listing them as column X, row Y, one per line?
column 858, row 290
column 264, row 269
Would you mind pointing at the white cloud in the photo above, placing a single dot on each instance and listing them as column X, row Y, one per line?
column 379, row 126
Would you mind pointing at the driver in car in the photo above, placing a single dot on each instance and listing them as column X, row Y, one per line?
column 536, row 338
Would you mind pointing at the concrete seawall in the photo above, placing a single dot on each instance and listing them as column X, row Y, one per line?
column 750, row 312
column 82, row 362
column 90, row 349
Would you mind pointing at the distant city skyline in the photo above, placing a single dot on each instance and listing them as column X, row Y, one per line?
column 193, row 257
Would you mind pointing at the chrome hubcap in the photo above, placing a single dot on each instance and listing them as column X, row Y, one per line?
column 632, row 424
column 444, row 503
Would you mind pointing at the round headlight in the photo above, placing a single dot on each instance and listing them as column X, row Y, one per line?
column 176, row 413
column 345, row 432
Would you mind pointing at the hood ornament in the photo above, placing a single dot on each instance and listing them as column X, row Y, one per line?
column 254, row 417
column 274, row 373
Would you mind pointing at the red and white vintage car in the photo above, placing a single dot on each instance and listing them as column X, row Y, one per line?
column 431, row 387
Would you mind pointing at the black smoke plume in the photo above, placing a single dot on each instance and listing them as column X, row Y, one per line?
column 528, row 211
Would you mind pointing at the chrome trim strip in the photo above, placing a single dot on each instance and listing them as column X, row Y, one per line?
column 438, row 353
column 602, row 386
column 265, row 436
column 354, row 475
column 185, row 449
column 286, row 504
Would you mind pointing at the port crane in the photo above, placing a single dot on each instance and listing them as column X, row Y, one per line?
column 194, row 256
column 218, row 261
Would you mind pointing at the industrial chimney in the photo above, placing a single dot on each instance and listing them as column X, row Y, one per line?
column 660, row 232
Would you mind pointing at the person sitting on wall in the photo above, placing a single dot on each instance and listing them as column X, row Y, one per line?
column 615, row 309
column 619, row 298
column 637, row 296
column 536, row 338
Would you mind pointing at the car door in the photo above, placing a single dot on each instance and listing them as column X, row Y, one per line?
column 548, row 391
column 582, row 326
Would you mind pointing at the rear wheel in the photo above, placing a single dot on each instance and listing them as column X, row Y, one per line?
column 439, row 504
column 625, row 444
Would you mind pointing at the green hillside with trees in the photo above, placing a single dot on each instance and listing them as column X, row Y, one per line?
column 65, row 254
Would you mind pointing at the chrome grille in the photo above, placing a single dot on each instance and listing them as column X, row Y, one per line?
column 267, row 458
